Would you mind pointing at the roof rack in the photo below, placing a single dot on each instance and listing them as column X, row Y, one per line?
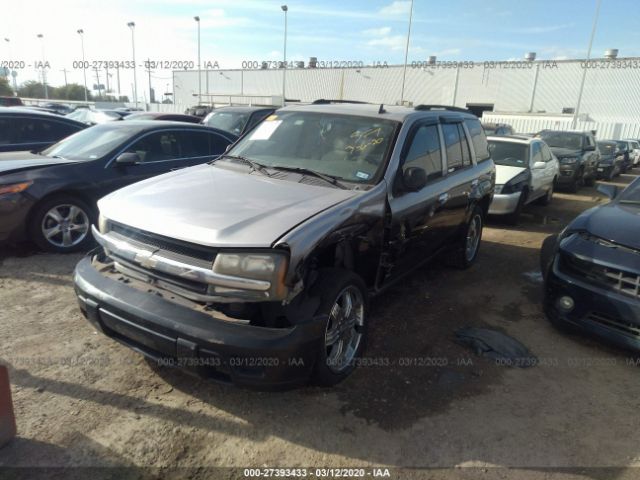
column 450, row 108
column 322, row 101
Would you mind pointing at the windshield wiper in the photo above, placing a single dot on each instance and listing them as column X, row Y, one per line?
column 255, row 166
column 306, row 171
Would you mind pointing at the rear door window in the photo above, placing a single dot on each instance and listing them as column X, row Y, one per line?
column 451, row 132
column 156, row 147
column 479, row 139
column 536, row 153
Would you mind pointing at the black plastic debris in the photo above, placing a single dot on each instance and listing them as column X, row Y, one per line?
column 504, row 349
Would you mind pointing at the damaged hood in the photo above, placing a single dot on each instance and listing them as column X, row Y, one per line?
column 11, row 162
column 216, row 206
column 617, row 223
column 504, row 173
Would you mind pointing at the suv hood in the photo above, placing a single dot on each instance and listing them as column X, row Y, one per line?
column 504, row 173
column 215, row 206
column 11, row 162
column 565, row 152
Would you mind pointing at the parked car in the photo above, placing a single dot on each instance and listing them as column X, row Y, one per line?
column 199, row 110
column 259, row 266
column 58, row 108
column 526, row 171
column 237, row 120
column 611, row 163
column 592, row 270
column 50, row 197
column 95, row 117
column 636, row 150
column 495, row 129
column 624, row 153
column 174, row 117
column 25, row 129
column 578, row 155
column 10, row 102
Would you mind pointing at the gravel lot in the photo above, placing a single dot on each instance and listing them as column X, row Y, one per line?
column 82, row 400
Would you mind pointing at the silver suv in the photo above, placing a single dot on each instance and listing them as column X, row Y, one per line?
column 258, row 267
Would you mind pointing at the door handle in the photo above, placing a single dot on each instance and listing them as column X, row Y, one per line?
column 443, row 198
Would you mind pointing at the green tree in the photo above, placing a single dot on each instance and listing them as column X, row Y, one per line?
column 33, row 89
column 5, row 88
column 72, row 91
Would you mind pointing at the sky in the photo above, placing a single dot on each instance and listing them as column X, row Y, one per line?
column 236, row 31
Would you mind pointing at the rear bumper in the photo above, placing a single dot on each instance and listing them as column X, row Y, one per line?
column 176, row 335
column 503, row 204
column 606, row 314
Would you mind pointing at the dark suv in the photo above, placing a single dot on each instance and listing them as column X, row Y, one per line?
column 24, row 129
column 257, row 268
column 578, row 155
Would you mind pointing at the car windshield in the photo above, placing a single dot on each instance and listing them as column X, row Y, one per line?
column 510, row 154
column 89, row 144
column 232, row 122
column 631, row 194
column 572, row 141
column 622, row 146
column 346, row 147
column 607, row 148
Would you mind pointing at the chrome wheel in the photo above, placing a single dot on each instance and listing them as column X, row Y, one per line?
column 344, row 329
column 473, row 237
column 65, row 226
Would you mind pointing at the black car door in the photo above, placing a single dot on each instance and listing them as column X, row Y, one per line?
column 416, row 216
column 161, row 152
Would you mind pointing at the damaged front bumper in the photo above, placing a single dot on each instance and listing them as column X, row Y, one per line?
column 214, row 345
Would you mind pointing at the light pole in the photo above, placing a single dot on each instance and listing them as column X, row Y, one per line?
column 84, row 65
column 574, row 121
column 197, row 19
column 406, row 54
column 132, row 26
column 285, row 9
column 44, row 75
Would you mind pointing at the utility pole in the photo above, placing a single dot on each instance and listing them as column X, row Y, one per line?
column 64, row 70
column 149, row 72
column 98, row 81
column 106, row 74
column 118, row 78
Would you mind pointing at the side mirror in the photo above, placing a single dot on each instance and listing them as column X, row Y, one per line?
column 539, row 165
column 610, row 191
column 414, row 178
column 127, row 158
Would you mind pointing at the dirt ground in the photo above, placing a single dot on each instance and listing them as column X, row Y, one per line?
column 84, row 401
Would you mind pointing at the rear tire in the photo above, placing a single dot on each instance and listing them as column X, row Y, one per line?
column 465, row 253
column 62, row 224
column 344, row 300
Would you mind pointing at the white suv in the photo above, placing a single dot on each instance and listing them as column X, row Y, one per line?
column 526, row 170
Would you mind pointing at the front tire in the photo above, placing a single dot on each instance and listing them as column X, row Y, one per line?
column 62, row 224
column 345, row 303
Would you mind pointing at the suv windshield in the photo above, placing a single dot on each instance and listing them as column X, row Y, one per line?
column 509, row 153
column 572, row 141
column 89, row 144
column 232, row 122
column 346, row 147
column 606, row 148
column 631, row 195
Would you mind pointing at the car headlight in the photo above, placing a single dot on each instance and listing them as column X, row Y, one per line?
column 569, row 160
column 14, row 187
column 267, row 266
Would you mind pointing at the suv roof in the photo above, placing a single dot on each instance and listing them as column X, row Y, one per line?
column 389, row 112
column 244, row 108
column 513, row 139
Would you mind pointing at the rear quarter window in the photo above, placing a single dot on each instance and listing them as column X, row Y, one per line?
column 479, row 139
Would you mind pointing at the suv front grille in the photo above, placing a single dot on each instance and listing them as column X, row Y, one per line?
column 164, row 243
column 624, row 282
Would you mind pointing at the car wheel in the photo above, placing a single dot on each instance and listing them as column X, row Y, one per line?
column 344, row 302
column 62, row 224
column 465, row 253
column 546, row 200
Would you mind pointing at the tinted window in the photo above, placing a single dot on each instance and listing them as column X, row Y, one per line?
column 89, row 144
column 453, row 145
column 195, row 144
column 479, row 139
column 54, row 131
column 6, row 131
column 156, row 147
column 257, row 118
column 466, row 151
column 424, row 151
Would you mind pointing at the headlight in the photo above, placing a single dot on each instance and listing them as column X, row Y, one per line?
column 268, row 266
column 14, row 187
column 569, row 160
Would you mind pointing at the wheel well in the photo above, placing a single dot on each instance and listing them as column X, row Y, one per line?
column 484, row 205
column 72, row 193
